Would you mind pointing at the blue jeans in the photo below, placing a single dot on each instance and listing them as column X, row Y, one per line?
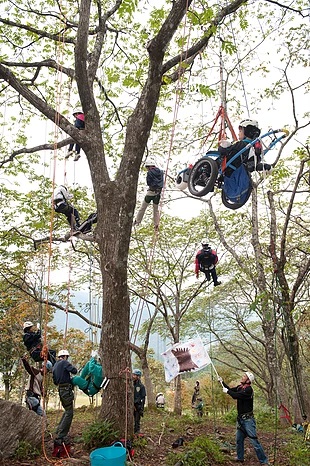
column 34, row 404
column 247, row 428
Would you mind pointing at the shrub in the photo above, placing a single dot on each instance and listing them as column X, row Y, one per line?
column 98, row 434
column 200, row 452
column 26, row 451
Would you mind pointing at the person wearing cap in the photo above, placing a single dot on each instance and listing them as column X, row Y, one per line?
column 155, row 183
column 32, row 341
column 61, row 201
column 246, row 424
column 62, row 378
column 206, row 260
column 160, row 400
column 138, row 399
column 251, row 157
column 79, row 123
column 35, row 388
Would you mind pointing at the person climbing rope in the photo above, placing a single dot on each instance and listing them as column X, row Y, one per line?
column 251, row 158
column 61, row 377
column 32, row 341
column 246, row 425
column 155, row 182
column 34, row 388
column 62, row 206
column 139, row 399
column 79, row 123
column 206, row 260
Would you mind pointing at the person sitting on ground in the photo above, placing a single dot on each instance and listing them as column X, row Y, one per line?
column 160, row 400
column 62, row 206
column 91, row 377
column 32, row 341
column 35, row 389
column 155, row 182
column 251, row 158
column 79, row 123
column 206, row 260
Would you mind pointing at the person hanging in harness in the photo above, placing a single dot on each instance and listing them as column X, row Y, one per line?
column 155, row 182
column 79, row 123
column 62, row 206
column 32, row 341
column 206, row 260
column 91, row 379
column 251, row 158
column 34, row 388
column 246, row 425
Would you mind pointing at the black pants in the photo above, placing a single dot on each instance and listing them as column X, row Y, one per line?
column 210, row 273
column 73, row 216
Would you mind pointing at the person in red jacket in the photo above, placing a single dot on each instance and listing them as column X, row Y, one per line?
column 79, row 124
column 206, row 260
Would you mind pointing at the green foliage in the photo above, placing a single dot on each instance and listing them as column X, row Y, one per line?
column 98, row 434
column 26, row 451
column 199, row 453
column 298, row 451
column 231, row 416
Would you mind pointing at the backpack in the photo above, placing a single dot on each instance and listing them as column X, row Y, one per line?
column 236, row 187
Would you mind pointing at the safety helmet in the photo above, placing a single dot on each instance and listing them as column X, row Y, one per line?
column 28, row 324
column 250, row 376
column 76, row 111
column 48, row 365
column 150, row 162
column 63, row 352
column 137, row 372
column 251, row 129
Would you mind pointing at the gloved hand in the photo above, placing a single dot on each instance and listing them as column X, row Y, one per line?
column 38, row 326
column 225, row 390
column 220, row 379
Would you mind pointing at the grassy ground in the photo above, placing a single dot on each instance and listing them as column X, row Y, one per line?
column 207, row 441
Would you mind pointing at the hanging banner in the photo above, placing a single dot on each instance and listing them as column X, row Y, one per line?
column 185, row 357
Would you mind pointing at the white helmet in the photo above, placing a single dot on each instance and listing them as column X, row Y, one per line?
column 28, row 324
column 204, row 242
column 76, row 111
column 250, row 376
column 150, row 162
column 251, row 129
column 63, row 352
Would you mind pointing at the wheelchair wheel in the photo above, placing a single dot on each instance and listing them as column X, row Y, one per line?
column 236, row 205
column 203, row 177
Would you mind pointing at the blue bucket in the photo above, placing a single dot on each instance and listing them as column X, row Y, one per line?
column 109, row 456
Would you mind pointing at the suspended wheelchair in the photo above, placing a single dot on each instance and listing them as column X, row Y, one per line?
column 209, row 172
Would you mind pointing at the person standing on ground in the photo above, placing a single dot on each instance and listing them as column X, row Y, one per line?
column 246, row 424
column 139, row 399
column 62, row 378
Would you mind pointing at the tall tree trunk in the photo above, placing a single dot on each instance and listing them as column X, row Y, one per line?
column 178, row 396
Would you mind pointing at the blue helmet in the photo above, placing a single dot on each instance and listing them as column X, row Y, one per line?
column 48, row 366
column 137, row 372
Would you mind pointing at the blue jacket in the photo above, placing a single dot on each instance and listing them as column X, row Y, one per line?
column 155, row 178
column 62, row 370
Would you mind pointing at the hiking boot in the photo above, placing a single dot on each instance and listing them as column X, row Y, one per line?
column 238, row 461
column 70, row 152
column 76, row 158
column 217, row 283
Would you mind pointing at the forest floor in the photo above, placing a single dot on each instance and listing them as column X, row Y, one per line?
column 284, row 446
